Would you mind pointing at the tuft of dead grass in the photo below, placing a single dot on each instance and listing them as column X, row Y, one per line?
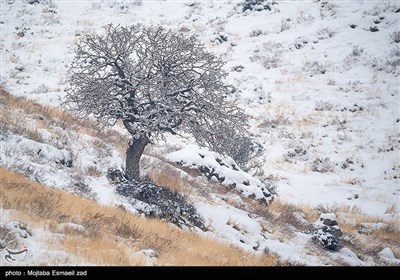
column 112, row 236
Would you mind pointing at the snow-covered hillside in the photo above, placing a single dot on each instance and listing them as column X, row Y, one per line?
column 320, row 80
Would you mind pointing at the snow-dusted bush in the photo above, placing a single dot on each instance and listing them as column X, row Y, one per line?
column 322, row 165
column 300, row 42
column 275, row 121
column 257, row 32
column 307, row 19
column 327, row 9
column 270, row 55
column 49, row 13
column 382, row 7
column 271, row 46
column 325, row 33
column 124, row 7
column 314, row 68
column 285, row 24
column 393, row 61
column 298, row 152
column 24, row 11
column 257, row 5
column 323, row 106
column 395, row 37
column 219, row 38
column 41, row 89
column 391, row 64
column 269, row 61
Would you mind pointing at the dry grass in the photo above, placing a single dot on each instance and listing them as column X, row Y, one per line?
column 111, row 236
column 378, row 233
column 171, row 182
column 393, row 209
column 23, row 117
column 237, row 226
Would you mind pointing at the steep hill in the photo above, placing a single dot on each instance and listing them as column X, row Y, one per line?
column 320, row 82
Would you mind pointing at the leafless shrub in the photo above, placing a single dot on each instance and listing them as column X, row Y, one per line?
column 285, row 24
column 276, row 121
column 395, row 37
column 257, row 5
column 327, row 9
column 322, row 165
column 257, row 32
column 41, row 89
column 307, row 19
column 314, row 68
column 269, row 61
column 325, row 33
column 323, row 106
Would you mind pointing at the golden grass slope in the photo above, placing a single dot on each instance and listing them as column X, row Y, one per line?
column 112, row 236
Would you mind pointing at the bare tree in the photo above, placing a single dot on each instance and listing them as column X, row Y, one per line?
column 154, row 81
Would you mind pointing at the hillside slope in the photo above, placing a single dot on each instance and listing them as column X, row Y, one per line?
column 319, row 79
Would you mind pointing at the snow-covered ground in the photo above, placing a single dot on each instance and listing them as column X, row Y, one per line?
column 319, row 78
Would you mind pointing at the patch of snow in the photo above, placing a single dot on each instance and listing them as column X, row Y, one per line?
column 223, row 169
column 350, row 258
column 387, row 253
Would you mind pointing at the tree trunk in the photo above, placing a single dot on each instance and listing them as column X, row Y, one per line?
column 133, row 154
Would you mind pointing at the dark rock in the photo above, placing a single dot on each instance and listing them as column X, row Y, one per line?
column 159, row 202
column 329, row 237
column 327, row 233
column 329, row 222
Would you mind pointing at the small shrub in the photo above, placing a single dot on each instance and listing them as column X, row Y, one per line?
column 322, row 165
column 325, row 33
column 327, row 9
column 395, row 37
column 41, row 89
column 257, row 32
column 314, row 68
column 393, row 62
column 257, row 5
column 276, row 121
column 285, row 24
column 219, row 38
column 269, row 61
column 323, row 106
column 307, row 19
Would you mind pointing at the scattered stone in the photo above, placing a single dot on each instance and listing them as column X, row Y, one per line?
column 387, row 253
column 12, row 235
column 327, row 232
column 159, row 202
